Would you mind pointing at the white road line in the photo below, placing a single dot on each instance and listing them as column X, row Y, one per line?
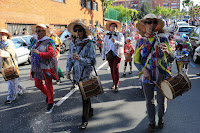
column 75, row 89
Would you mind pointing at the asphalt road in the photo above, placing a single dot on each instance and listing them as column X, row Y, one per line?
column 113, row 112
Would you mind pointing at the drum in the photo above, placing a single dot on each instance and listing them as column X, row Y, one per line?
column 175, row 85
column 91, row 87
column 10, row 73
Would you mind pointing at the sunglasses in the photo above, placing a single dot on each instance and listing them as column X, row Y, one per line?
column 38, row 31
column 150, row 22
column 79, row 30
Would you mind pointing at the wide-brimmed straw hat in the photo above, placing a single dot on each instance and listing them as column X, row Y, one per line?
column 141, row 24
column 43, row 26
column 111, row 22
column 6, row 32
column 70, row 27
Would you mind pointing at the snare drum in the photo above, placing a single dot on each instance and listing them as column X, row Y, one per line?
column 91, row 87
column 175, row 85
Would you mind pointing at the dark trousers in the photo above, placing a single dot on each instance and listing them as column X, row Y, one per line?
column 86, row 109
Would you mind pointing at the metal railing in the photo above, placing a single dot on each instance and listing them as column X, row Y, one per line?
column 112, row 14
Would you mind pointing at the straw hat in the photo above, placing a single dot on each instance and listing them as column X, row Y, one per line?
column 70, row 27
column 6, row 32
column 110, row 22
column 43, row 26
column 141, row 24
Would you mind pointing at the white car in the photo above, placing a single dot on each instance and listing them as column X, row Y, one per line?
column 196, row 55
column 22, row 49
column 182, row 23
column 182, row 30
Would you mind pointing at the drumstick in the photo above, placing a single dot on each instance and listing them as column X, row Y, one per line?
column 156, row 84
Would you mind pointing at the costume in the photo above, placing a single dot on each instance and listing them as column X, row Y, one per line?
column 83, row 68
column 7, row 53
column 44, row 66
column 117, row 50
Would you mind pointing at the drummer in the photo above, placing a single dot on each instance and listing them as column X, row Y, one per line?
column 81, row 58
column 155, row 58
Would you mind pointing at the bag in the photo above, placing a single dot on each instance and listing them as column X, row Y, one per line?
column 91, row 87
column 10, row 73
column 109, row 55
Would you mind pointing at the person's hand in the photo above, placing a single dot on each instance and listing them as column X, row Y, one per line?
column 35, row 51
column 113, row 40
column 76, row 57
column 164, row 48
column 146, row 74
column 68, row 75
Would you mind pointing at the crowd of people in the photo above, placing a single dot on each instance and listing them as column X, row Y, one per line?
column 154, row 54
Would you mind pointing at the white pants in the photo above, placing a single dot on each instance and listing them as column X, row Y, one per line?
column 12, row 89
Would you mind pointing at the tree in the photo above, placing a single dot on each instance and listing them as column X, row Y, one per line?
column 158, row 10
column 132, row 14
column 105, row 4
column 145, row 9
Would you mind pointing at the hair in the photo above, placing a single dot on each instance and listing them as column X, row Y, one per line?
column 113, row 23
column 84, row 32
column 179, row 46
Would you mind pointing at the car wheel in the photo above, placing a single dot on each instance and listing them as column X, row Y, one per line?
column 195, row 58
column 62, row 48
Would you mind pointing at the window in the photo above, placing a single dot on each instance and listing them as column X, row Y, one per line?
column 173, row 3
column 63, row 1
column 89, row 4
column 18, row 42
column 83, row 3
column 95, row 6
column 90, row 22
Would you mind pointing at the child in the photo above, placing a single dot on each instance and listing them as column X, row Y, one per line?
column 181, row 55
column 173, row 47
column 99, row 42
column 128, row 51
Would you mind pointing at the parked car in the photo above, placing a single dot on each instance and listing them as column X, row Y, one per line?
column 22, row 49
column 182, row 30
column 194, row 36
column 64, row 36
column 182, row 23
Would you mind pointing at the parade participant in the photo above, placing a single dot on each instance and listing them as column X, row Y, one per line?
column 100, row 42
column 81, row 58
column 58, row 44
column 173, row 47
column 7, row 57
column 25, row 32
column 44, row 63
column 154, row 59
column 128, row 51
column 181, row 56
column 113, row 51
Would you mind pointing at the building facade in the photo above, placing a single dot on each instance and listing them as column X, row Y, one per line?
column 136, row 4
column 19, row 14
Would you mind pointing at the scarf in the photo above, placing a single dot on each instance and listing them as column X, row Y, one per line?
column 148, row 35
column 4, row 44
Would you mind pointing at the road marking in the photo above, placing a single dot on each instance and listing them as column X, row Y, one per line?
column 192, row 64
column 75, row 89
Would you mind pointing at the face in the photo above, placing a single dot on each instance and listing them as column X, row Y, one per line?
column 113, row 27
column 3, row 37
column 150, row 25
column 79, row 31
column 40, row 32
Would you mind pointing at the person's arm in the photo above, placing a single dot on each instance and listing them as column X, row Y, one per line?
column 132, row 51
column 104, row 47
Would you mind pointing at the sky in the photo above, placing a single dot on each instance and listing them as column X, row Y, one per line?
column 195, row 2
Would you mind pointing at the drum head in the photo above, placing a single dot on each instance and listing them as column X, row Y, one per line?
column 166, row 90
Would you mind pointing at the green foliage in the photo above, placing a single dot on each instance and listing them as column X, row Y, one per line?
column 145, row 9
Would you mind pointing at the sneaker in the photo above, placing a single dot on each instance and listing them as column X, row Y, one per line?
column 124, row 74
column 83, row 125
column 130, row 72
column 50, row 107
column 116, row 89
column 20, row 92
column 8, row 101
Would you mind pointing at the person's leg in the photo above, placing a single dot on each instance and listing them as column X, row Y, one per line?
column 12, row 89
column 50, row 91
column 130, row 64
column 39, row 85
column 110, row 62
column 86, row 110
column 149, row 96
column 125, row 65
column 116, row 64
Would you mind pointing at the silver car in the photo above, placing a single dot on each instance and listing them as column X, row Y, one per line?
column 182, row 30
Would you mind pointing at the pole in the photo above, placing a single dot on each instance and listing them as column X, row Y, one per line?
column 125, row 19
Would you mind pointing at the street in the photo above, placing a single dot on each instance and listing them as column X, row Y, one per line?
column 122, row 112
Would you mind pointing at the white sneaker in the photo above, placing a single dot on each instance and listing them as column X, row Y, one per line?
column 20, row 92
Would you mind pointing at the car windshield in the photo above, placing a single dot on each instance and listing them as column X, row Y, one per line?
column 27, row 39
column 18, row 42
column 185, row 29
